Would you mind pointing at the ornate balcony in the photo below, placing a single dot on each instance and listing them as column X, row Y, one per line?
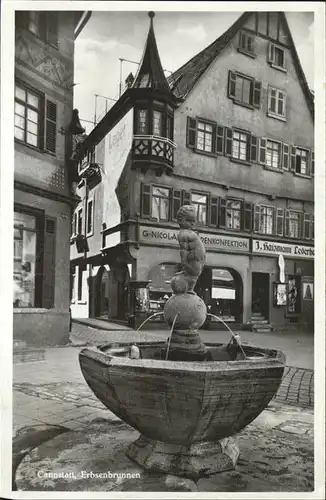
column 154, row 151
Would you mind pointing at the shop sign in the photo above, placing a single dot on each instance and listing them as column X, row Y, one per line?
column 288, row 250
column 218, row 242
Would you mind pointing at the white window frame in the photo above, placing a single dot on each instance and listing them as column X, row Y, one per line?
column 160, row 197
column 272, row 62
column 239, row 141
column 299, row 214
column 200, row 204
column 308, row 162
column 265, row 217
column 244, row 35
column 239, row 210
column 275, row 114
column 279, row 163
column 202, row 129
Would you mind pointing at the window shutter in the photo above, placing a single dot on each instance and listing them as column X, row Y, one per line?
column 248, row 147
column 312, row 227
column 52, row 28
column 287, row 223
column 146, row 200
column 191, row 132
column 312, row 170
column 286, row 159
column 256, row 94
column 301, row 225
column 219, row 139
column 306, row 226
column 274, row 221
column 254, row 143
column 262, row 150
column 271, row 53
column 176, row 202
column 186, row 198
column 49, row 262
column 256, row 218
column 247, row 218
column 222, row 213
column 228, row 141
column 279, row 221
column 213, row 211
column 232, row 84
column 293, row 158
column 51, row 126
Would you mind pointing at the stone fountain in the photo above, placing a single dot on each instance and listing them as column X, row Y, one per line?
column 187, row 399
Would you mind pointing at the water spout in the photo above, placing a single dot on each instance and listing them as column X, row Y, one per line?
column 236, row 337
column 150, row 317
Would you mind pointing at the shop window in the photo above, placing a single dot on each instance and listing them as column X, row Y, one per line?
column 244, row 90
column 300, row 161
column 293, row 224
column 264, row 218
column 30, row 119
column 34, row 266
column 276, row 56
column 160, row 203
column 276, row 103
column 200, row 202
column 246, row 43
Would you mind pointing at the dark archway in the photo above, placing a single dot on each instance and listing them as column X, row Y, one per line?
column 102, row 293
column 222, row 290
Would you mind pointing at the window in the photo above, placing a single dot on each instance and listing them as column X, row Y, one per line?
column 27, row 116
column 34, row 24
column 44, row 25
column 142, row 121
column 244, row 90
column 233, row 214
column 264, row 219
column 300, row 161
column 80, row 283
column 160, row 203
column 80, row 221
column 246, row 43
column 276, row 102
column 276, row 56
column 200, row 202
column 157, row 122
column 273, row 154
column 31, row 120
column 74, row 225
column 90, row 216
column 205, row 137
column 239, row 146
column 308, row 226
column 293, row 224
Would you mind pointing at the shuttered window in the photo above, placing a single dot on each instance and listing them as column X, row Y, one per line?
column 276, row 56
column 213, row 213
column 276, row 102
column 49, row 263
column 244, row 90
column 254, row 148
column 220, row 139
column 246, row 43
column 279, row 221
column 247, row 216
column 286, row 157
column 264, row 219
column 51, row 126
column 191, row 132
column 262, row 150
column 293, row 224
column 308, row 221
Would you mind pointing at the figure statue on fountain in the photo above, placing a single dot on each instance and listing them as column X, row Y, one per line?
column 192, row 252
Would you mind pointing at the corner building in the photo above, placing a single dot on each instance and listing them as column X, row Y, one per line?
column 43, row 197
column 232, row 132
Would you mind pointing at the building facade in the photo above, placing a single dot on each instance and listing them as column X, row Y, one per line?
column 231, row 132
column 43, row 176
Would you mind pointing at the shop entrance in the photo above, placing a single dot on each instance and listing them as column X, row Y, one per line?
column 260, row 294
column 102, row 293
column 222, row 291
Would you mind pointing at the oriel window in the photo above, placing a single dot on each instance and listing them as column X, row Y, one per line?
column 142, row 125
column 157, row 122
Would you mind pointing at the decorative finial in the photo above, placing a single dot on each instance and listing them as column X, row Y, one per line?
column 151, row 14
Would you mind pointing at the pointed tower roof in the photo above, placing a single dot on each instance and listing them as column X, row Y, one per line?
column 150, row 73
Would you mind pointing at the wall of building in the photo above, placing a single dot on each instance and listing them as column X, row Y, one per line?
column 209, row 100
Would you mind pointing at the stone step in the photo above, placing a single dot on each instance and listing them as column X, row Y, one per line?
column 255, row 321
column 262, row 329
column 256, row 314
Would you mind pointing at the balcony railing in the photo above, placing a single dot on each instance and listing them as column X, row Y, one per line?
column 153, row 147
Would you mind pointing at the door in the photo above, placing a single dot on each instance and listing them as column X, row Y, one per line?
column 260, row 294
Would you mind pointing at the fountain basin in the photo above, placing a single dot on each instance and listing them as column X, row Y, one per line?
column 181, row 402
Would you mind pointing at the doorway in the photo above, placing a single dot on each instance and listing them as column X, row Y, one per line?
column 260, row 294
column 102, row 294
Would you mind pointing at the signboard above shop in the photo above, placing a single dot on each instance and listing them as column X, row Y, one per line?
column 218, row 242
column 286, row 249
